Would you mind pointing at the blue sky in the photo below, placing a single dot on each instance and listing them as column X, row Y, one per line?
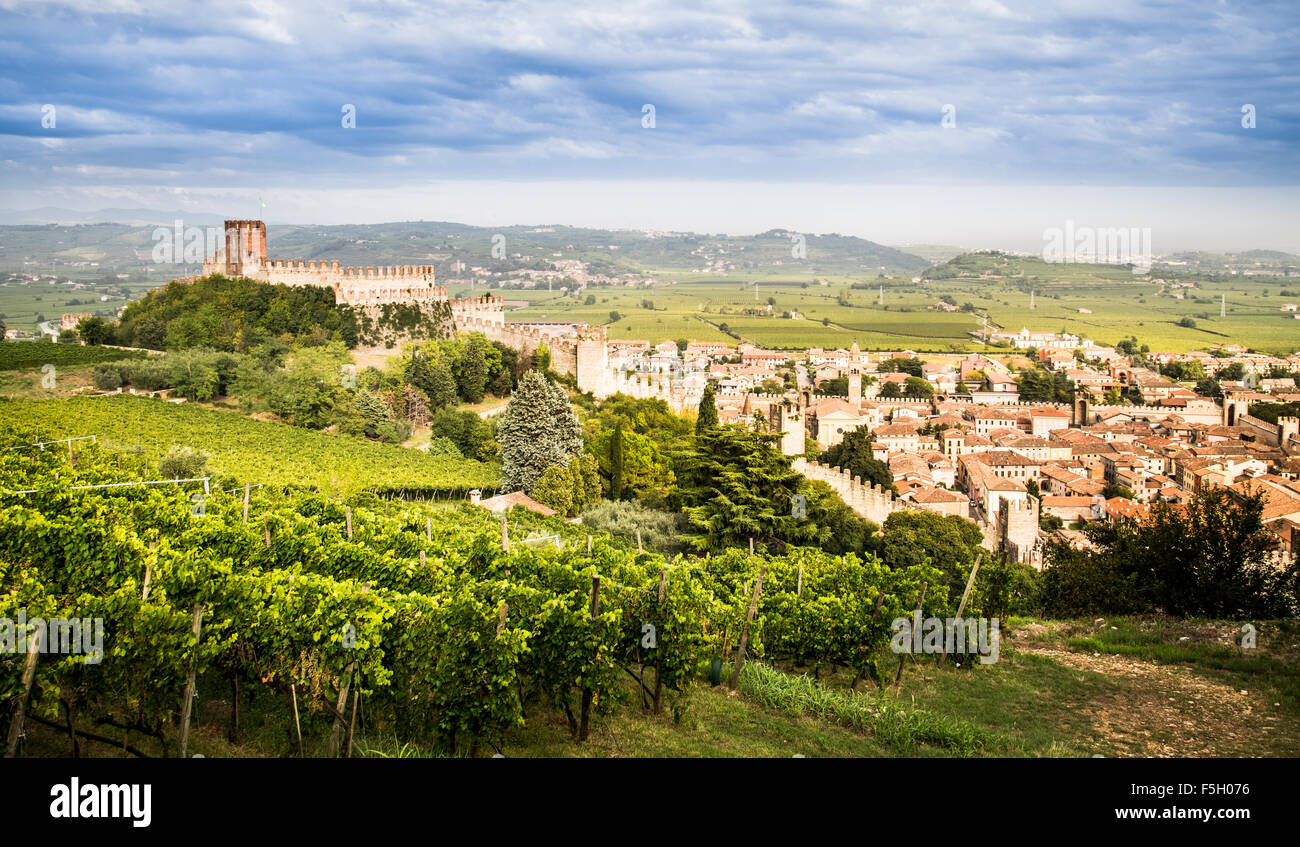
column 823, row 116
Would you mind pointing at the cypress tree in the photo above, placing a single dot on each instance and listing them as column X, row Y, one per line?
column 616, row 463
column 708, row 417
column 474, row 371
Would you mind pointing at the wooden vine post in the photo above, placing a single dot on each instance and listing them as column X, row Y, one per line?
column 428, row 530
column 584, row 717
column 337, row 729
column 749, row 618
column 902, row 657
column 347, row 513
column 505, row 536
column 20, row 709
column 188, row 703
column 246, row 503
column 297, row 725
column 965, row 595
column 659, row 659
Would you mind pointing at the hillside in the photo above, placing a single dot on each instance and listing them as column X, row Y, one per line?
column 243, row 449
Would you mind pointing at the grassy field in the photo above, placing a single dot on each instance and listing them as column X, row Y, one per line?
column 247, row 449
column 22, row 355
column 1104, row 303
column 1119, row 688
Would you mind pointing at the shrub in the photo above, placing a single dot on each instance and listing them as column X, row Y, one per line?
column 659, row 530
column 107, row 377
column 183, row 463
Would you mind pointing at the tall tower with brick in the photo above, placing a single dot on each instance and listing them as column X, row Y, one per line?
column 244, row 253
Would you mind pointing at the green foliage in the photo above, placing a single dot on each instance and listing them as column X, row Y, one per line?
column 616, row 463
column 253, row 450
column 1272, row 411
column 742, row 488
column 948, row 542
column 837, row 387
column 911, row 366
column 708, row 414
column 20, row 355
column 917, row 388
column 537, row 430
column 853, row 454
column 469, row 432
column 474, row 370
column 644, row 472
column 94, row 331
column 233, row 315
column 554, row 488
column 659, row 530
column 106, row 378
column 1041, row 386
column 1210, row 558
column 183, row 462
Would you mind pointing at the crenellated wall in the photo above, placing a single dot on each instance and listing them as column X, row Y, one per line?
column 870, row 501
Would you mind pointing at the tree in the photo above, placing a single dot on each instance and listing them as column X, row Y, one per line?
column 854, row 454
column 1233, row 372
column 474, row 370
column 642, row 470
column 837, row 387
column 708, row 417
column 900, row 364
column 743, row 488
column 538, row 429
column 93, row 330
column 950, row 542
column 891, row 391
column 918, row 388
column 554, row 489
column 1210, row 558
column 616, row 463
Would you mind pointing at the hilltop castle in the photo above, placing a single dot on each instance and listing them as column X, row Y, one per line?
column 244, row 254
column 577, row 349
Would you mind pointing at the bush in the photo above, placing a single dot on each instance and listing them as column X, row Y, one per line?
column 183, row 463
column 107, row 377
column 659, row 530
column 442, row 446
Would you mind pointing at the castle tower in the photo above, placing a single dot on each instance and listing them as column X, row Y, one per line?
column 855, row 376
column 1079, row 417
column 1288, row 429
column 1234, row 408
column 791, row 427
column 245, row 250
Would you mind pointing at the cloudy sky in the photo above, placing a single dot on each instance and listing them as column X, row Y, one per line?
column 818, row 116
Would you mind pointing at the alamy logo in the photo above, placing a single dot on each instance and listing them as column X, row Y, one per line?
column 1090, row 245
column 69, row 636
column 75, row 800
column 955, row 636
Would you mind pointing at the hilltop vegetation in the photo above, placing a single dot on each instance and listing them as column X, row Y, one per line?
column 242, row 449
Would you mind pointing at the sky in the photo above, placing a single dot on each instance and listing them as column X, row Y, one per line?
column 978, row 124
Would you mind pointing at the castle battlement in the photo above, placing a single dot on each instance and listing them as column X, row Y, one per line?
column 244, row 255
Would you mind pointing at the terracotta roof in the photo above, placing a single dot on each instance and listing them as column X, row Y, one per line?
column 505, row 502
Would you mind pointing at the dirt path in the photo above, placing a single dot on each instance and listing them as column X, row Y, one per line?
column 1169, row 710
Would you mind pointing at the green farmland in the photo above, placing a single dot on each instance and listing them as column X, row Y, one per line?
column 1104, row 303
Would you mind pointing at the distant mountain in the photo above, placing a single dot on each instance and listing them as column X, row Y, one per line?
column 56, row 215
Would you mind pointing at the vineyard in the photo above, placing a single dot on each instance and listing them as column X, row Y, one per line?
column 441, row 624
column 20, row 355
column 243, row 449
